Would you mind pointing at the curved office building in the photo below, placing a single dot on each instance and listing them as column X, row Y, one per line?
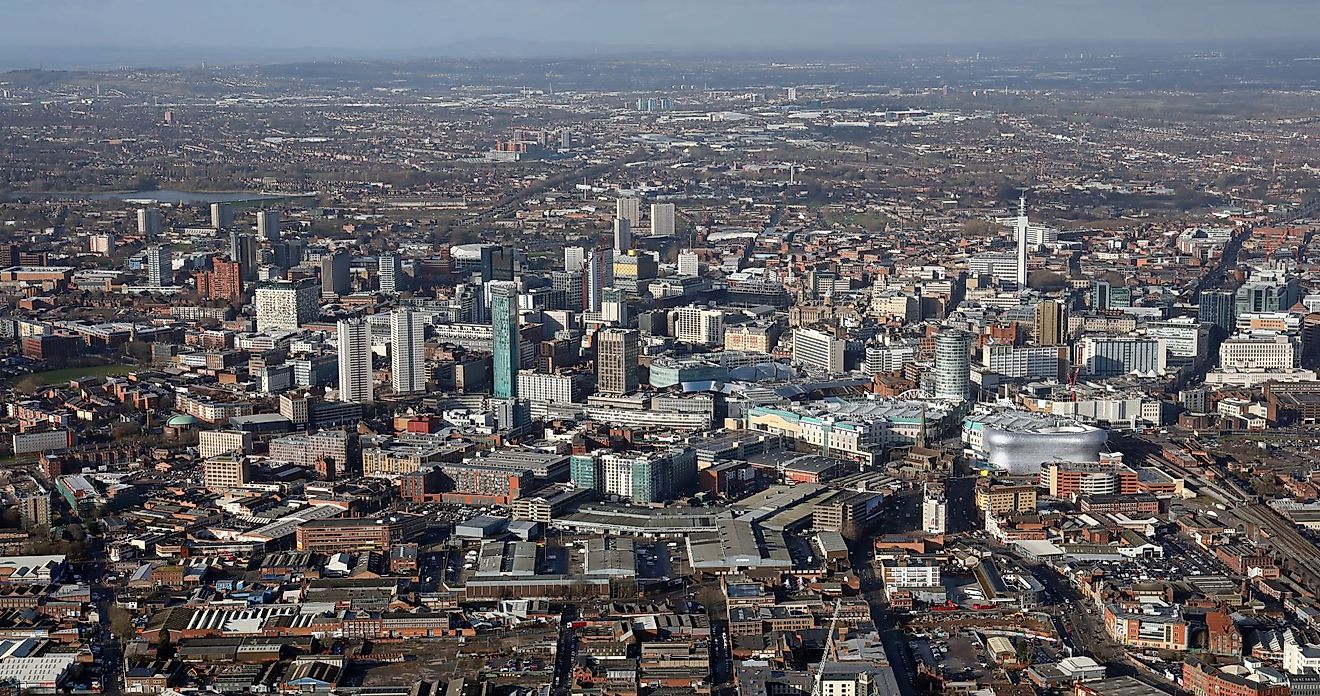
column 1023, row 450
column 953, row 365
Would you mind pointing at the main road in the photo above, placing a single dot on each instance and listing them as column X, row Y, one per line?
column 510, row 203
column 565, row 652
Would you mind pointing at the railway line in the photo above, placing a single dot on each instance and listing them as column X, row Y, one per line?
column 1297, row 554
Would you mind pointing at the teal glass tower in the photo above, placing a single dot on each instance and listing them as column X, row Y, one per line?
column 504, row 321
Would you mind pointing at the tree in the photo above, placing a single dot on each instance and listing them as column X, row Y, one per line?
column 1045, row 280
column 138, row 350
column 121, row 622
column 1024, row 653
column 712, row 597
column 124, row 429
column 977, row 228
column 163, row 643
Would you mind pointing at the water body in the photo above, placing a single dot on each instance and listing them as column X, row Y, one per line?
column 158, row 197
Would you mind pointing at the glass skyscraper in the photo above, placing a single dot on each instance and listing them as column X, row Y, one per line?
column 504, row 322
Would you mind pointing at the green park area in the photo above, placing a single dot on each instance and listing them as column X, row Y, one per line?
column 29, row 383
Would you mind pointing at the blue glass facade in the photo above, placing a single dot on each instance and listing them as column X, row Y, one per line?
column 504, row 321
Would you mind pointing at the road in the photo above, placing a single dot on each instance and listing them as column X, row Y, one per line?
column 887, row 625
column 1080, row 629
column 896, row 648
column 1075, row 618
column 960, row 499
column 111, row 658
column 1227, row 260
column 565, row 652
column 721, row 657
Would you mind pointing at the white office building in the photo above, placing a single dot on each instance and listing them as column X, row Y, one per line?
column 817, row 350
column 1184, row 337
column 695, row 324
column 614, row 306
column 934, row 509
column 689, row 264
column 1259, row 351
column 909, row 573
column 539, row 387
column 1022, row 362
column 574, row 257
column 1112, row 356
column 213, row 443
column 889, row 357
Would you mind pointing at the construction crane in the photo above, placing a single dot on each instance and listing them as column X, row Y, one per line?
column 816, row 688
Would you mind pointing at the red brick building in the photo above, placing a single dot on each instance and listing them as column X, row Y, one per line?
column 357, row 534
column 1245, row 559
column 49, row 346
column 224, row 282
column 1136, row 504
column 1222, row 635
column 1231, row 680
column 732, row 479
column 1108, row 477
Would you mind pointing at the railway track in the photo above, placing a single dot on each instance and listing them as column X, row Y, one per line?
column 1297, row 553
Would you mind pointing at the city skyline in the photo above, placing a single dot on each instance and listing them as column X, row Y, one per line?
column 832, row 371
column 150, row 32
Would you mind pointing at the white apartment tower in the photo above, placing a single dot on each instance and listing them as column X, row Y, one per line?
column 222, row 216
column 629, row 208
column 268, row 225
column 622, row 236
column 355, row 384
column 149, row 222
column 287, row 305
column 388, row 270
column 407, row 352
column 662, row 219
column 160, row 266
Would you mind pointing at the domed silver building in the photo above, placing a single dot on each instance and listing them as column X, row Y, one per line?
column 1019, row 442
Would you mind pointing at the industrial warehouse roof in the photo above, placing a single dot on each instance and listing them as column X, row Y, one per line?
column 624, row 520
column 737, row 544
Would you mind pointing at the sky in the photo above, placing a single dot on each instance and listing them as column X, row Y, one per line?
column 67, row 31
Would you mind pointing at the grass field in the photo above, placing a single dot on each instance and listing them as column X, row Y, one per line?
column 871, row 221
column 49, row 377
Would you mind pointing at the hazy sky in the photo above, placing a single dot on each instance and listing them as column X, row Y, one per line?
column 358, row 27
